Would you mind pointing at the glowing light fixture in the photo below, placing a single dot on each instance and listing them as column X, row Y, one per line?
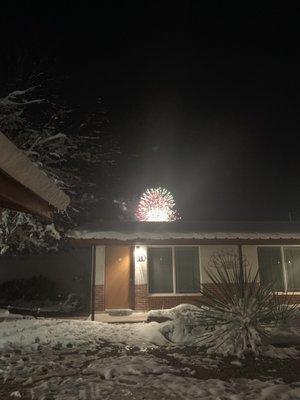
column 140, row 254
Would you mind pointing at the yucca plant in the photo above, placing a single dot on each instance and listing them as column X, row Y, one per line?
column 239, row 310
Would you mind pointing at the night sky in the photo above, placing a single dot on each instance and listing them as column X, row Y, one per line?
column 205, row 101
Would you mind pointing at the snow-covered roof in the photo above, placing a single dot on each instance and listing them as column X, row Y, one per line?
column 125, row 231
column 17, row 165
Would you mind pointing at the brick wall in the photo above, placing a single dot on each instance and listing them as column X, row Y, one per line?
column 293, row 298
column 141, row 297
column 159, row 302
column 145, row 302
column 99, row 297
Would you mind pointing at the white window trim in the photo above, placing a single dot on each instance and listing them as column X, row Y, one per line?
column 174, row 293
column 284, row 269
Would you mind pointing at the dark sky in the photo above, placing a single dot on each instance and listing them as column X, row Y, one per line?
column 206, row 101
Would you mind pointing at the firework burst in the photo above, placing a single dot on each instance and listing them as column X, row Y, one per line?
column 156, row 205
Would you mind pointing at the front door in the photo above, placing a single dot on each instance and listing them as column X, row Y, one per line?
column 117, row 277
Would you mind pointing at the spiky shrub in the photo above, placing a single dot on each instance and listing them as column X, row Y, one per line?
column 239, row 310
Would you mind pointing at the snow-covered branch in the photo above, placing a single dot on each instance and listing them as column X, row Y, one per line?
column 66, row 141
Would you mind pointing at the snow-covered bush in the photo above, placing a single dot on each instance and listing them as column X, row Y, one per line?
column 38, row 288
column 240, row 311
column 181, row 325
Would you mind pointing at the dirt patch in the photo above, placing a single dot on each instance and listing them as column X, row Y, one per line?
column 187, row 361
column 7, row 389
column 264, row 368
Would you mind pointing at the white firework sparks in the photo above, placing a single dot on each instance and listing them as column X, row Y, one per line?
column 157, row 205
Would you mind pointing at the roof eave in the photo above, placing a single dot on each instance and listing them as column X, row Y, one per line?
column 16, row 165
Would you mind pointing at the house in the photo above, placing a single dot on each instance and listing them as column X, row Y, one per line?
column 152, row 265
column 24, row 187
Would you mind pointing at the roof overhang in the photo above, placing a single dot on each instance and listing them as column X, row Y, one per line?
column 25, row 187
column 186, row 233
column 16, row 197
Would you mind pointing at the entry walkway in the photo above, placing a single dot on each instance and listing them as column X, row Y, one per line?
column 121, row 319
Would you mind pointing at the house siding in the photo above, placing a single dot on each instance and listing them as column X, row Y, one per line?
column 143, row 301
column 99, row 278
column 206, row 252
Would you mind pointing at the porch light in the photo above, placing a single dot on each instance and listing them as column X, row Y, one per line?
column 140, row 264
column 140, row 254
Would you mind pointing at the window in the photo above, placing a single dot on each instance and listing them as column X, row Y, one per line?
column 285, row 274
column 160, row 270
column 173, row 269
column 292, row 265
column 270, row 267
column 187, row 270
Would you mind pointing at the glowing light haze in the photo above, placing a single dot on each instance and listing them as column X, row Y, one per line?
column 157, row 205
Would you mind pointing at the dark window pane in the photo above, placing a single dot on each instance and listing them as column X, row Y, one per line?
column 187, row 270
column 292, row 263
column 160, row 270
column 270, row 267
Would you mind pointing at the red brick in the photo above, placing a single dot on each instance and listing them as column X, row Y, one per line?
column 158, row 302
column 99, row 297
column 141, row 297
column 144, row 302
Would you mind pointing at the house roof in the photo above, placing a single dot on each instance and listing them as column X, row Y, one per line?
column 125, row 231
column 15, row 164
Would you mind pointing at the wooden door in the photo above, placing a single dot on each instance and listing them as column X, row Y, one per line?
column 117, row 277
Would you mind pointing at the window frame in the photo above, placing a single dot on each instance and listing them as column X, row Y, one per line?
column 174, row 293
column 283, row 263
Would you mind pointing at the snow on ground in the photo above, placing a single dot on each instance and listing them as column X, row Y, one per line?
column 59, row 359
column 63, row 333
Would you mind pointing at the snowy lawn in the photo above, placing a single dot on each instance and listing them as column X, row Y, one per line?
column 56, row 359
